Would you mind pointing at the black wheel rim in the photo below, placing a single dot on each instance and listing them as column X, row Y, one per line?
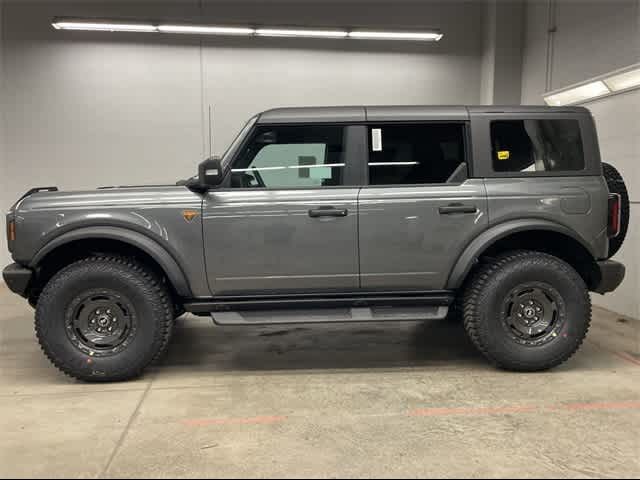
column 101, row 322
column 533, row 314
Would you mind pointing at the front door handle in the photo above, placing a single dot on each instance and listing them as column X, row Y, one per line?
column 457, row 208
column 328, row 212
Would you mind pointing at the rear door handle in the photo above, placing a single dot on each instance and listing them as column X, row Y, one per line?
column 328, row 212
column 457, row 208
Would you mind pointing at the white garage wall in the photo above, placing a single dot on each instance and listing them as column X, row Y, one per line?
column 594, row 38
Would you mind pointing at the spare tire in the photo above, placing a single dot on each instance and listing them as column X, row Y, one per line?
column 616, row 185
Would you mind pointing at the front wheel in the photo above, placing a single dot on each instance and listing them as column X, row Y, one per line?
column 527, row 311
column 104, row 318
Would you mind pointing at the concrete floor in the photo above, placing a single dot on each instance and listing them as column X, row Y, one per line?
column 405, row 400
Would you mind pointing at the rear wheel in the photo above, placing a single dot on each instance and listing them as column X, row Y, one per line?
column 527, row 311
column 104, row 319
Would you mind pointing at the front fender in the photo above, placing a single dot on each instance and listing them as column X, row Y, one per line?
column 135, row 239
column 487, row 238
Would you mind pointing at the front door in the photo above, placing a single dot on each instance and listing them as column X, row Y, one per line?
column 419, row 211
column 286, row 222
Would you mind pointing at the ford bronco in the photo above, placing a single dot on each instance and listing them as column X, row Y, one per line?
column 501, row 217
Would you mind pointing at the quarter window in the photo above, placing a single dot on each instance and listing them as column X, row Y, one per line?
column 536, row 146
column 415, row 153
column 291, row 156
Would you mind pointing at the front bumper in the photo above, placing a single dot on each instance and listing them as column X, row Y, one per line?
column 611, row 276
column 18, row 279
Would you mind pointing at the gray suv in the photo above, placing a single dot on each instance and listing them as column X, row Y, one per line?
column 501, row 217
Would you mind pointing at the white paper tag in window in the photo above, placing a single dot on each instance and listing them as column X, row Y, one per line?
column 376, row 139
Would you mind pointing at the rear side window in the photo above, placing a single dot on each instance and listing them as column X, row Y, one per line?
column 536, row 146
column 415, row 153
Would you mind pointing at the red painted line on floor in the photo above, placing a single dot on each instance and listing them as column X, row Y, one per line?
column 627, row 357
column 234, row 421
column 622, row 355
column 443, row 412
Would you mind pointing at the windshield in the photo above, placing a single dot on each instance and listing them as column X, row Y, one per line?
column 230, row 153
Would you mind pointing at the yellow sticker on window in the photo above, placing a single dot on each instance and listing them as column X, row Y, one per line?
column 503, row 155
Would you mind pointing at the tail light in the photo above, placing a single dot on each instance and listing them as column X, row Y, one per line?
column 615, row 215
column 11, row 231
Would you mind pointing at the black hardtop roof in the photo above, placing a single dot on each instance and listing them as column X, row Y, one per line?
column 399, row 113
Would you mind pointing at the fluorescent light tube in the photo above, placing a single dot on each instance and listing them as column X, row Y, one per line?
column 205, row 30
column 105, row 27
column 577, row 94
column 623, row 81
column 379, row 35
column 299, row 32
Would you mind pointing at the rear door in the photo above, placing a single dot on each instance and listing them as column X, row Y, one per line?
column 419, row 209
column 287, row 222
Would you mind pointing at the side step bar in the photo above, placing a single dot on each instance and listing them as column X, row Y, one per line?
column 329, row 315
column 317, row 308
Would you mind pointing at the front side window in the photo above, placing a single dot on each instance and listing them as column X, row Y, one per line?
column 291, row 157
column 415, row 153
column 536, row 146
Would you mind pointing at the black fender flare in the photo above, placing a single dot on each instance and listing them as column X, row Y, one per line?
column 487, row 238
column 165, row 260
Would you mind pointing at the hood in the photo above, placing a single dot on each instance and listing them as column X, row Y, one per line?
column 107, row 197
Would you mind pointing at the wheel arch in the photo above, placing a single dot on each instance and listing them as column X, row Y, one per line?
column 109, row 239
column 538, row 235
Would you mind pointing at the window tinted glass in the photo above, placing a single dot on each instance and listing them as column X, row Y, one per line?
column 536, row 145
column 414, row 153
column 284, row 157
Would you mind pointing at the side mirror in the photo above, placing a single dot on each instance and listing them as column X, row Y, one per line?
column 210, row 172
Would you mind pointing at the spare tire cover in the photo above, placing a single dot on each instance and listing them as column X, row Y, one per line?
column 616, row 185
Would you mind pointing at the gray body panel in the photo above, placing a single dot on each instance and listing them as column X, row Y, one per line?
column 417, row 113
column 264, row 241
column 313, row 115
column 405, row 243
column 153, row 212
column 577, row 203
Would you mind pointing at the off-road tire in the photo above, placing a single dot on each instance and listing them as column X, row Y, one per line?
column 152, row 317
column 489, row 291
column 616, row 184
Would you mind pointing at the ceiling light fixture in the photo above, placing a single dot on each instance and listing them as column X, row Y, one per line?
column 611, row 83
column 381, row 35
column 104, row 27
column 205, row 30
column 624, row 81
column 579, row 94
column 300, row 32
